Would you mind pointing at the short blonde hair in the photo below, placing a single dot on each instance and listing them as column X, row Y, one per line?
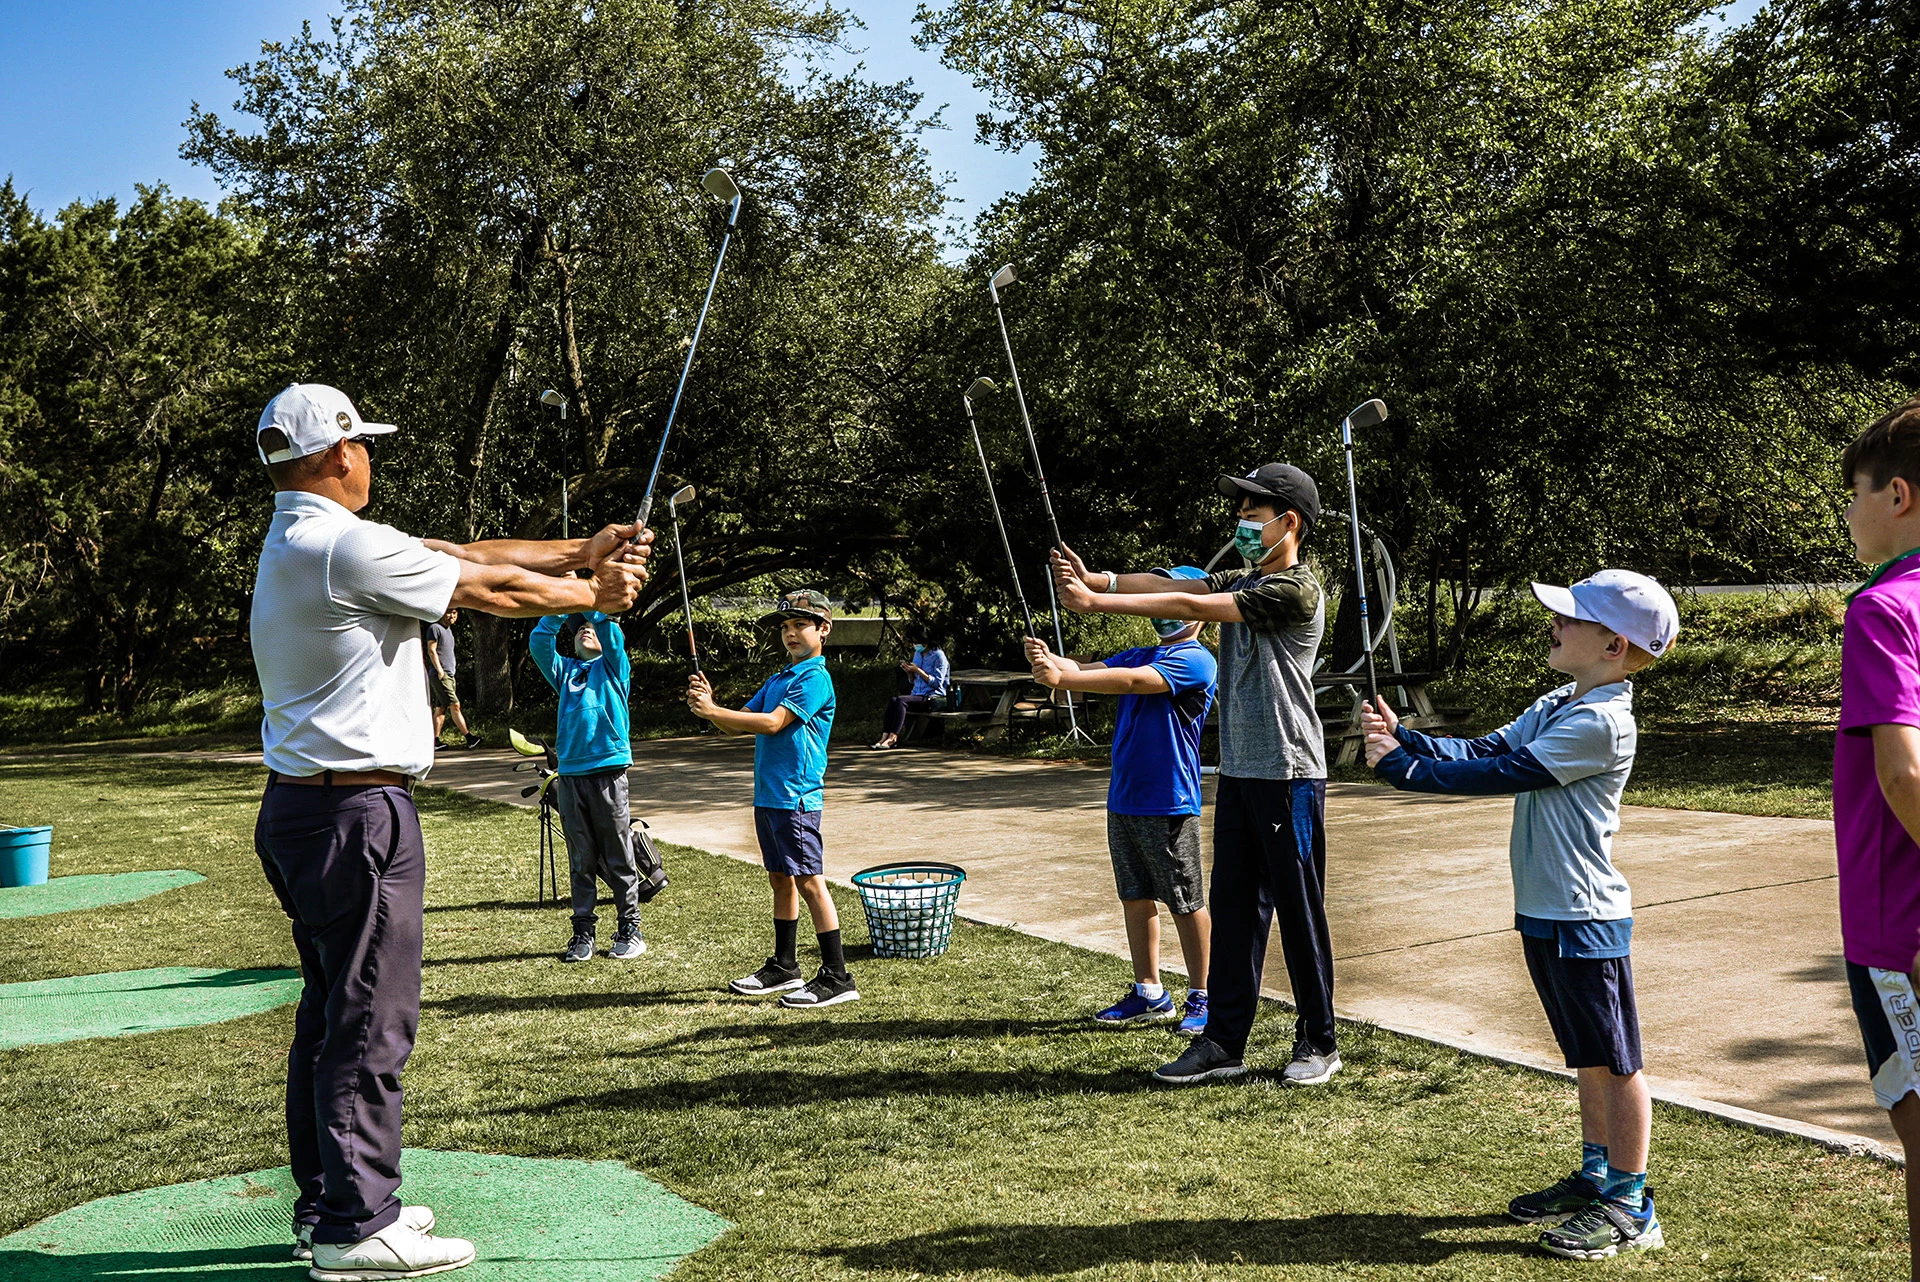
column 1638, row 658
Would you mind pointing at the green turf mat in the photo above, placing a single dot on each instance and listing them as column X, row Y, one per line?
column 532, row 1220
column 89, row 890
column 122, row 1003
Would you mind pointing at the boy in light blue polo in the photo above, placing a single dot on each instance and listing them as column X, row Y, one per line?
column 792, row 715
column 1566, row 760
column 584, row 658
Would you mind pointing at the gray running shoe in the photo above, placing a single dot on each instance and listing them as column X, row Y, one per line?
column 579, row 948
column 1604, row 1230
column 627, row 943
column 1310, row 1067
column 1203, row 1061
column 769, row 979
column 824, row 989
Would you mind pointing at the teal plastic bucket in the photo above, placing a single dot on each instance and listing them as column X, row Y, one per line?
column 24, row 854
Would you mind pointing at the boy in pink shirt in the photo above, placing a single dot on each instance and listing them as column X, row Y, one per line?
column 1876, row 774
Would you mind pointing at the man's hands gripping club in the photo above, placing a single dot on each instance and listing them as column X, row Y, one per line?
column 523, row 578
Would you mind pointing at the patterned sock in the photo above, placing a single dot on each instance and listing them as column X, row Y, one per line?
column 1593, row 1162
column 832, row 956
column 1152, row 992
column 1625, row 1187
column 786, row 942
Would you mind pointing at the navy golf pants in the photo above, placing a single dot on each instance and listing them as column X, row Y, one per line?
column 1269, row 858
column 349, row 868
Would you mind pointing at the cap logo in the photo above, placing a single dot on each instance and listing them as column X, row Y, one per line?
column 346, row 424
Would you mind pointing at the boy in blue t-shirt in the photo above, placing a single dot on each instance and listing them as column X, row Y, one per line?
column 584, row 658
column 793, row 716
column 1153, row 802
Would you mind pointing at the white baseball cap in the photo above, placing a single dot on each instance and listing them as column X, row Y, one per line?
column 1633, row 605
column 313, row 417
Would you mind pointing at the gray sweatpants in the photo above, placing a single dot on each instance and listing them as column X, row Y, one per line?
column 599, row 831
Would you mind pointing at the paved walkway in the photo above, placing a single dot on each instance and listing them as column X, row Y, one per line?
column 1742, row 992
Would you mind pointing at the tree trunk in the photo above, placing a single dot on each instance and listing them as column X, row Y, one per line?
column 493, row 642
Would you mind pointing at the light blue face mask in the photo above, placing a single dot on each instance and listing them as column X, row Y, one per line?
column 1247, row 541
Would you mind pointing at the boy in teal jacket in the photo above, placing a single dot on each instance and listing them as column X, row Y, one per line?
column 584, row 659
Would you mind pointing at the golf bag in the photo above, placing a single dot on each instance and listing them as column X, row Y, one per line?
column 653, row 869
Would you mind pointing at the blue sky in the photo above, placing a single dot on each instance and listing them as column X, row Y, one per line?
column 93, row 92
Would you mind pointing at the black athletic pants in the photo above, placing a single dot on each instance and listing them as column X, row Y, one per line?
column 1269, row 855
column 349, row 868
column 899, row 706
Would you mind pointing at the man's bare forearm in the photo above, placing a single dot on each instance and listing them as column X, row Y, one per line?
column 516, row 593
column 542, row 556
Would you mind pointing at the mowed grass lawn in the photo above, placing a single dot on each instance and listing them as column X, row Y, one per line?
column 963, row 1120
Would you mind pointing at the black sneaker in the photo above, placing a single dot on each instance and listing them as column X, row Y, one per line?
column 473, row 741
column 774, row 977
column 1309, row 1067
column 1604, row 1230
column 579, row 948
column 824, row 989
column 1203, row 1061
column 1557, row 1202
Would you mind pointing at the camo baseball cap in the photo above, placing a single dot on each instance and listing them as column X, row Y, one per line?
column 802, row 603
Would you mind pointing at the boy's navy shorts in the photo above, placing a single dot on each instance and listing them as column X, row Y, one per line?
column 1889, row 1013
column 1590, row 1004
column 789, row 841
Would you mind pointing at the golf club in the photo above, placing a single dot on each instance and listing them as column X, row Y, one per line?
column 1005, row 276
column 683, row 495
column 1074, row 733
column 553, row 400
column 980, row 387
column 717, row 182
column 1369, row 414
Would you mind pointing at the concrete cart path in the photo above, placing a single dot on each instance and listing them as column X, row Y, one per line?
column 1742, row 991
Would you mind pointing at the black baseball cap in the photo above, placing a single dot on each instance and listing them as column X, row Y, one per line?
column 1281, row 484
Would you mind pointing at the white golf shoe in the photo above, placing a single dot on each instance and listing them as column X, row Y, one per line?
column 397, row 1251
column 417, row 1218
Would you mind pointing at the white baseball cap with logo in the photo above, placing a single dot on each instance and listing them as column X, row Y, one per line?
column 1633, row 605
column 313, row 417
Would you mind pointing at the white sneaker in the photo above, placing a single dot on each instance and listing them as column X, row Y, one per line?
column 397, row 1251
column 417, row 1218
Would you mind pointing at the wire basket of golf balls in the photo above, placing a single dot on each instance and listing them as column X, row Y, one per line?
column 910, row 907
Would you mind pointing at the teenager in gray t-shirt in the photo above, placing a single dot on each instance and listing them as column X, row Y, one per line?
column 1269, row 830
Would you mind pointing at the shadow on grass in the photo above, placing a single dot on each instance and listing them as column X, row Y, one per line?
column 1034, row 1250
column 96, row 1266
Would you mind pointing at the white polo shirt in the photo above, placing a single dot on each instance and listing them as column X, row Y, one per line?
column 337, row 608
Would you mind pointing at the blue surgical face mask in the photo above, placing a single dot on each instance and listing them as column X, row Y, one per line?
column 1247, row 541
column 1171, row 627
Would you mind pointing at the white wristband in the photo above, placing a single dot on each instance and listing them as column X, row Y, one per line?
column 1113, row 582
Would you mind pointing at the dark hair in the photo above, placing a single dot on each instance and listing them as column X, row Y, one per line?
column 1889, row 447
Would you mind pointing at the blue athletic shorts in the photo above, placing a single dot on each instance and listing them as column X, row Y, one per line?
column 789, row 841
column 1589, row 1002
column 1889, row 1015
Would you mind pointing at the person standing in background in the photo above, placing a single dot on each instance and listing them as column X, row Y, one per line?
column 437, row 639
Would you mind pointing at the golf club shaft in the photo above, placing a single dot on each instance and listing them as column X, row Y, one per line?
column 646, row 500
column 1046, row 498
column 686, row 602
column 1060, row 648
column 1005, row 544
column 1359, row 566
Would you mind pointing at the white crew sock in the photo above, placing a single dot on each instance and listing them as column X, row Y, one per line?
column 1152, row 992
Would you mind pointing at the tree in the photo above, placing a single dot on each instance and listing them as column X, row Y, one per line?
column 464, row 203
column 128, row 359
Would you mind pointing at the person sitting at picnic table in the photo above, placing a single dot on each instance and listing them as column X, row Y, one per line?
column 930, row 672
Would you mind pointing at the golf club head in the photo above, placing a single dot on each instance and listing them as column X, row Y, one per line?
column 719, row 182
column 679, row 498
column 980, row 387
column 1004, row 276
column 1369, row 415
column 552, row 399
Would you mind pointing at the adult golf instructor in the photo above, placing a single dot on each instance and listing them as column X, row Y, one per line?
column 337, row 607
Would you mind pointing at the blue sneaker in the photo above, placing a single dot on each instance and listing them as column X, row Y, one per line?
column 1135, row 1009
column 1193, row 1015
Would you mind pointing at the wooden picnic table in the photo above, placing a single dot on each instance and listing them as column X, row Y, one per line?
column 1415, row 707
column 1006, row 688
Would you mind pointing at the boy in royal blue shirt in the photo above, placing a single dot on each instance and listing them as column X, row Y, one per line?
column 584, row 658
column 1153, row 803
column 792, row 715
